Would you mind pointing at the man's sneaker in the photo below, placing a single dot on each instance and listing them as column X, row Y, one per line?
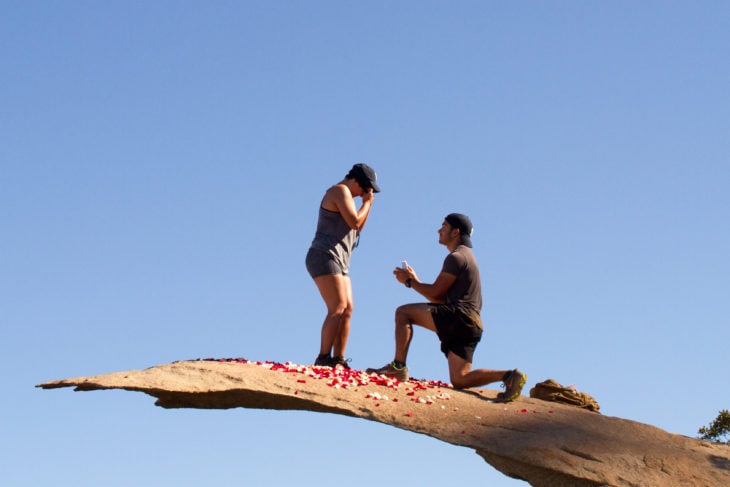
column 325, row 361
column 513, row 385
column 341, row 362
column 391, row 370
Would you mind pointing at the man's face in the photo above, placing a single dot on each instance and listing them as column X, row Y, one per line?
column 446, row 233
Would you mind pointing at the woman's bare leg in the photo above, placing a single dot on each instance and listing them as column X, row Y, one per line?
column 336, row 292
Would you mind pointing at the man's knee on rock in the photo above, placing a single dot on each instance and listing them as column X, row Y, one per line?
column 458, row 381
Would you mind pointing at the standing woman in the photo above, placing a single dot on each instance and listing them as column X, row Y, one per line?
column 328, row 259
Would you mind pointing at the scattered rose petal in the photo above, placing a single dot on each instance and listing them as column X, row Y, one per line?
column 340, row 378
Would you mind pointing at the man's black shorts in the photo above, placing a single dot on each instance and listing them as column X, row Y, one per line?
column 459, row 330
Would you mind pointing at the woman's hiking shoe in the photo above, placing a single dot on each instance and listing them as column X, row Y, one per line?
column 341, row 362
column 333, row 362
column 326, row 361
column 391, row 370
column 513, row 385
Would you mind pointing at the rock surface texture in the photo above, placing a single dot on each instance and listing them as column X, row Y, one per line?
column 543, row 443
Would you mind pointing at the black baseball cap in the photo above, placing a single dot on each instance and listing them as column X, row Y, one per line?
column 365, row 176
column 463, row 223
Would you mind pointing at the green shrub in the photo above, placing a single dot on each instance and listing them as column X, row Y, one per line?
column 718, row 429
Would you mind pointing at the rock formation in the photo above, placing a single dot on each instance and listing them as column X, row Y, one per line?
column 543, row 443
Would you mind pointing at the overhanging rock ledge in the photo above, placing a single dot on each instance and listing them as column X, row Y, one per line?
column 543, row 443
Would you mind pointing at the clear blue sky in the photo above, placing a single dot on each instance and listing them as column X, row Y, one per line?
column 161, row 167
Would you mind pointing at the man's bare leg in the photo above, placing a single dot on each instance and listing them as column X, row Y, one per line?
column 462, row 376
column 405, row 317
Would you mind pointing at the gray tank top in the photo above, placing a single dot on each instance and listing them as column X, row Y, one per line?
column 334, row 237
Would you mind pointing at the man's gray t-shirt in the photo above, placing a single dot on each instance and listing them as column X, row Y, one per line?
column 466, row 292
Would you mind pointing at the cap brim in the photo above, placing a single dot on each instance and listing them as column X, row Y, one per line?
column 466, row 240
column 376, row 188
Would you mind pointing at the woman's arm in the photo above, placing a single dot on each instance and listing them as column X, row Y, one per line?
column 341, row 198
